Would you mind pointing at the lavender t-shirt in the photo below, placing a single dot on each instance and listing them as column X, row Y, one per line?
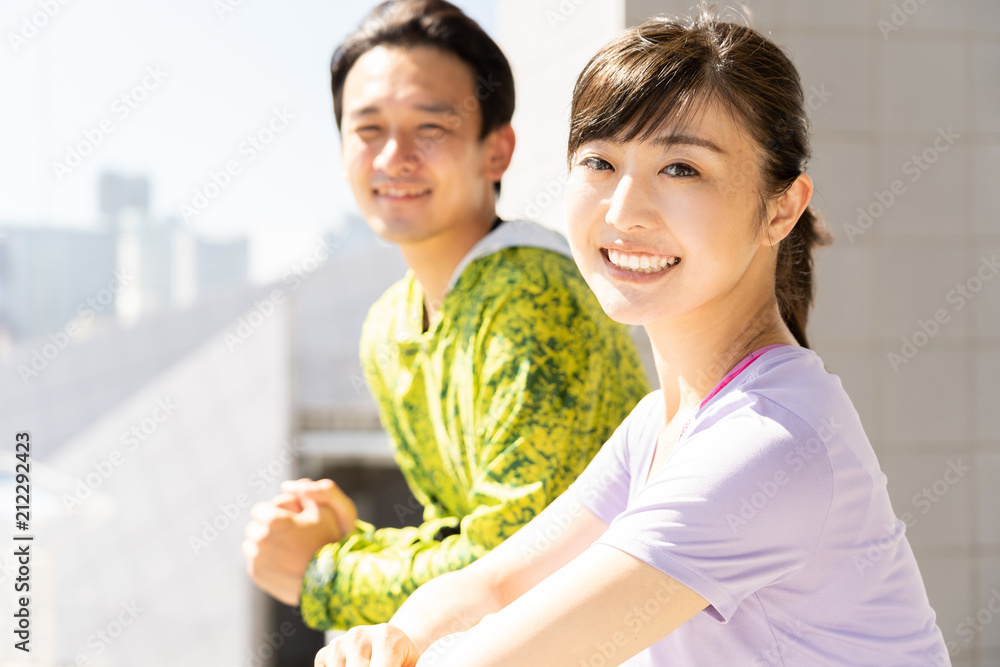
column 773, row 508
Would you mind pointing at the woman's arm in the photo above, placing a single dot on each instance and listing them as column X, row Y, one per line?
column 552, row 597
column 604, row 603
column 458, row 600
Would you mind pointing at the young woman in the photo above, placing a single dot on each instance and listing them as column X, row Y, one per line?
column 738, row 516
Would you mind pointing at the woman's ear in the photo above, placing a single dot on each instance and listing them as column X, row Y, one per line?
column 499, row 151
column 789, row 209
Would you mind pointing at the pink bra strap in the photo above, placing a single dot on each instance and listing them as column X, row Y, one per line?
column 730, row 376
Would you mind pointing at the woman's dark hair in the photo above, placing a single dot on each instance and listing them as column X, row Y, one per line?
column 442, row 25
column 666, row 70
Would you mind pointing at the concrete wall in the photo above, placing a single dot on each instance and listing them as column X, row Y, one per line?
column 139, row 518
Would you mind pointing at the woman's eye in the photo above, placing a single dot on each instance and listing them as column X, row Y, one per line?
column 680, row 170
column 595, row 163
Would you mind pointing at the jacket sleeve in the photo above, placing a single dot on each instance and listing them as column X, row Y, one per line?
column 532, row 420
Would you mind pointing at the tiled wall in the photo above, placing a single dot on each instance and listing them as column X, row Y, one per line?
column 880, row 94
column 929, row 87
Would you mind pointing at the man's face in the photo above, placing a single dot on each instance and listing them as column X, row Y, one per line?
column 410, row 144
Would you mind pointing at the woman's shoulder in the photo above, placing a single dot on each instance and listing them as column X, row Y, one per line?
column 787, row 393
column 647, row 413
column 640, row 428
column 796, row 379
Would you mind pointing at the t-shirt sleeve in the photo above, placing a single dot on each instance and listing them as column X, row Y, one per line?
column 603, row 487
column 739, row 506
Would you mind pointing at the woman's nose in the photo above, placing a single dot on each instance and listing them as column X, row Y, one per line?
column 630, row 206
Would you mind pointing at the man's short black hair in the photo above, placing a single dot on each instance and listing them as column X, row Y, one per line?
column 438, row 24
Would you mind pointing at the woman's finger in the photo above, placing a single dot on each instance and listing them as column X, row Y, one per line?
column 330, row 656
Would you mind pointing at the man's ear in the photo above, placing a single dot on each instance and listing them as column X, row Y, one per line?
column 789, row 209
column 499, row 151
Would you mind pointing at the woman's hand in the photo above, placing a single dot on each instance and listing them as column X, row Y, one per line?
column 370, row 645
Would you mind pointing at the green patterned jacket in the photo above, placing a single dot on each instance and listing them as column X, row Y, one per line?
column 492, row 413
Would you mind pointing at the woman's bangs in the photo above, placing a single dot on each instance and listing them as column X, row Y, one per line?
column 626, row 96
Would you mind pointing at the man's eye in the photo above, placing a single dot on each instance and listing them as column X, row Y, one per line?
column 680, row 170
column 595, row 163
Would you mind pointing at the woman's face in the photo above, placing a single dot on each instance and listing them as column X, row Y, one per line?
column 670, row 225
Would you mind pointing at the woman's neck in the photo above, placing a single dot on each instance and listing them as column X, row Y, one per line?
column 694, row 353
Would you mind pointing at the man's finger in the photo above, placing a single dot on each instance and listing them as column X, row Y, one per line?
column 293, row 485
column 331, row 495
column 287, row 501
column 309, row 514
column 334, row 491
column 254, row 531
column 310, row 486
column 266, row 513
column 250, row 550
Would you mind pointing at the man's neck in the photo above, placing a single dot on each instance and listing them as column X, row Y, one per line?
column 434, row 261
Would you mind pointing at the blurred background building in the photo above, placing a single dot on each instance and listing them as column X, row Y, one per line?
column 173, row 371
column 152, row 265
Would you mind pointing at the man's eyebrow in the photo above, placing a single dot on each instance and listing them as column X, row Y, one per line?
column 371, row 109
column 442, row 107
column 363, row 111
column 671, row 140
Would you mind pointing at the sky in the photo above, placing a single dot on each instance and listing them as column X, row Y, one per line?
column 223, row 104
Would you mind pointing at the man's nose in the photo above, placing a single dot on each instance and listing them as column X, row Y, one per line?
column 399, row 157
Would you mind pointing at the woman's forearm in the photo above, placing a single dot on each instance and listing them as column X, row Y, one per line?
column 453, row 602
column 457, row 601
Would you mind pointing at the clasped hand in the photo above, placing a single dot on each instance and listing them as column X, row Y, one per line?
column 284, row 534
column 370, row 646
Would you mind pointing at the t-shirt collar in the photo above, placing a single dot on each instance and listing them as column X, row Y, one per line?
column 511, row 234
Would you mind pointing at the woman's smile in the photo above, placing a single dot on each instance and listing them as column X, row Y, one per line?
column 637, row 266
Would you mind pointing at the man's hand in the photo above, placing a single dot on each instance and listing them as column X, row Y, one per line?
column 282, row 537
column 375, row 645
column 324, row 492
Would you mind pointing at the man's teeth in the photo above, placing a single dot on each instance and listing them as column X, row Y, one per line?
column 641, row 263
column 401, row 192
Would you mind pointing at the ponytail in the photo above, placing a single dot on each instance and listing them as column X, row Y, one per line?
column 793, row 279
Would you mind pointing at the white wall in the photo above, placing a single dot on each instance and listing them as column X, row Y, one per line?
column 223, row 417
column 547, row 42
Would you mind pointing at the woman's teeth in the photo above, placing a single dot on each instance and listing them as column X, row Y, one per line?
column 641, row 263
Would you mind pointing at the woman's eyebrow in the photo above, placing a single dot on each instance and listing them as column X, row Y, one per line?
column 671, row 140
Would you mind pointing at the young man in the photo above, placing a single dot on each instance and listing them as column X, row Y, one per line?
column 497, row 375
